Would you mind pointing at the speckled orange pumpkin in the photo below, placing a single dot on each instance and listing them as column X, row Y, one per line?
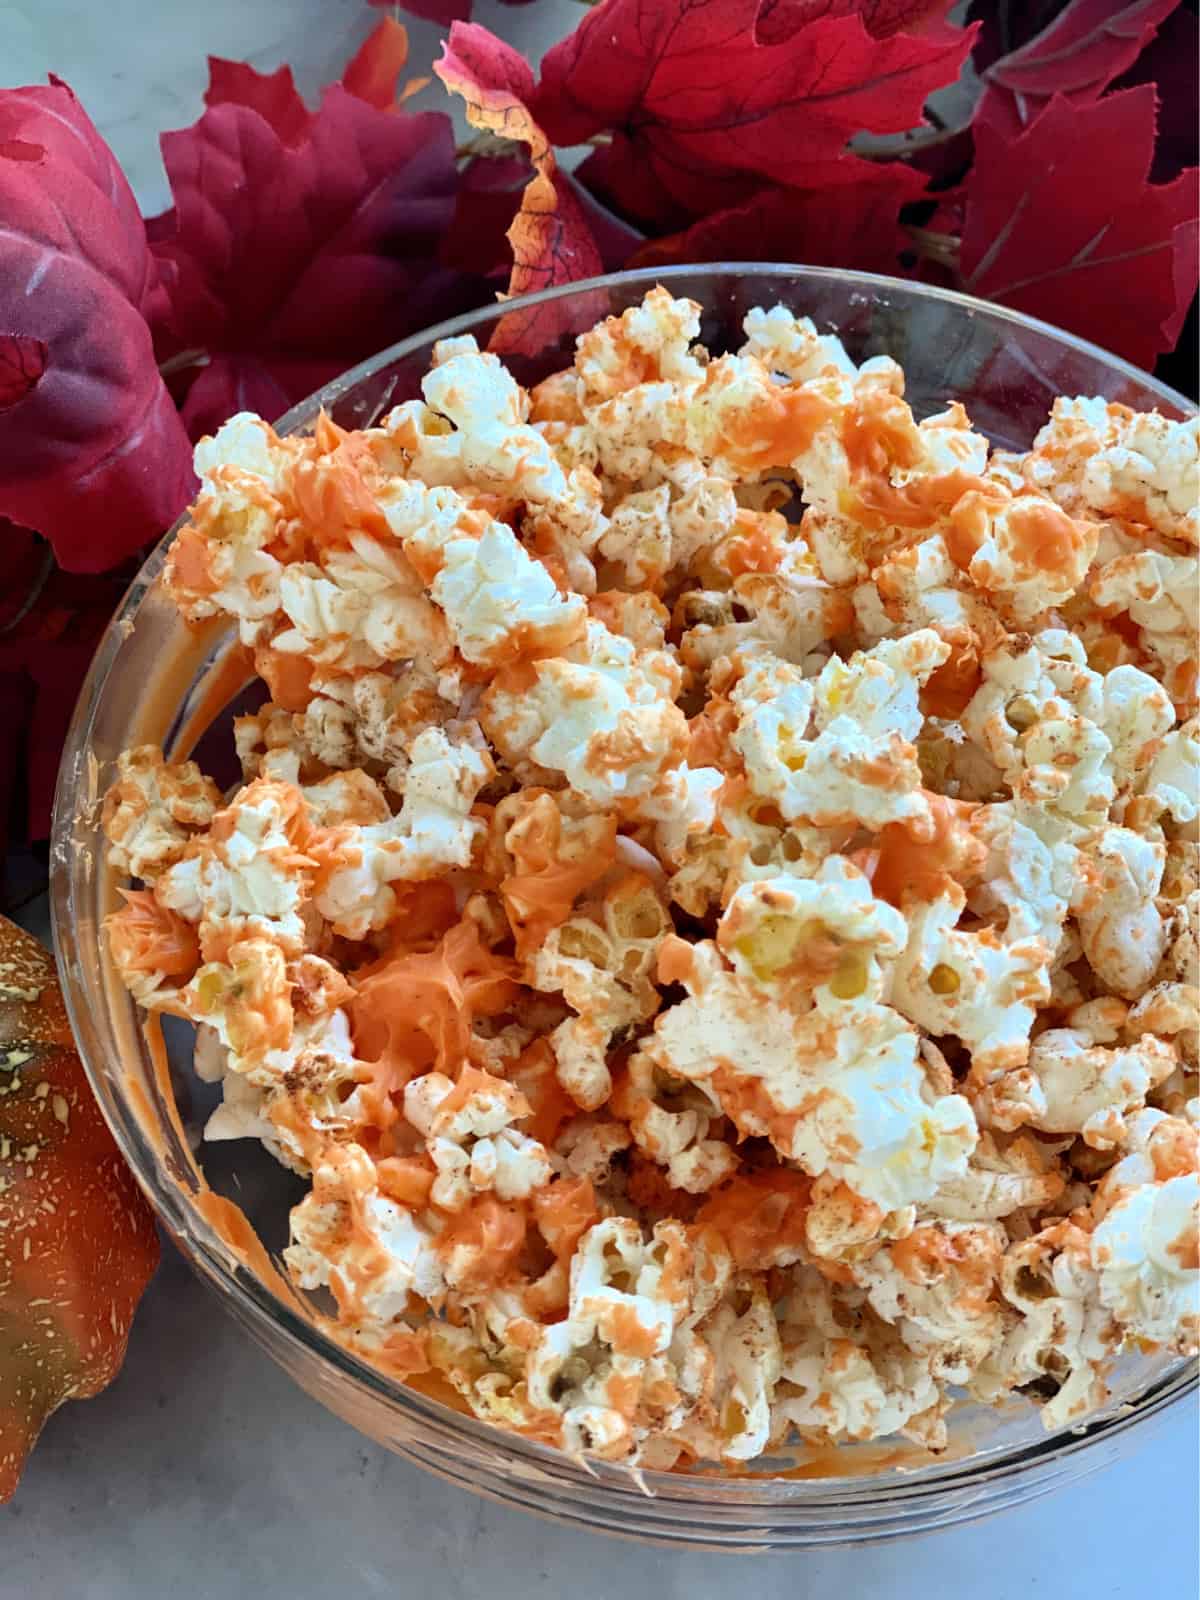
column 77, row 1240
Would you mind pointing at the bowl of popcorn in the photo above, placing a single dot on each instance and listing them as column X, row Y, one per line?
column 628, row 885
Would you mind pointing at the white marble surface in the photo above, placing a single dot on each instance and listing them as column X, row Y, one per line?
column 203, row 1471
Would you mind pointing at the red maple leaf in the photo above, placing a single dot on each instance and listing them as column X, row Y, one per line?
column 1062, row 222
column 443, row 11
column 1079, row 54
column 296, row 248
column 272, row 94
column 881, row 18
column 549, row 235
column 698, row 101
column 92, row 453
column 854, row 225
column 50, row 624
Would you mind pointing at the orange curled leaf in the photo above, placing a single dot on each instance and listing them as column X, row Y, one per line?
column 550, row 238
column 374, row 73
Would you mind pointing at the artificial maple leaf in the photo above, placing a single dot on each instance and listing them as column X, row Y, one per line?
column 1169, row 63
column 374, row 73
column 778, row 19
column 1079, row 54
column 550, row 239
column 289, row 257
column 852, row 225
column 272, row 94
column 698, row 103
column 50, row 624
column 443, row 11
column 92, row 453
column 1111, row 260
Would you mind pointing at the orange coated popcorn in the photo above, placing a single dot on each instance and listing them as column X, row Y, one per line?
column 712, row 908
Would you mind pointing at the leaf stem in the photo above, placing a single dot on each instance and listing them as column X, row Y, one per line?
column 184, row 360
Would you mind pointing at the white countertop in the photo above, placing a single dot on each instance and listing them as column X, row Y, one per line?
column 203, row 1471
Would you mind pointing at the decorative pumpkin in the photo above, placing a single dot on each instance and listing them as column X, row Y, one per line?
column 77, row 1240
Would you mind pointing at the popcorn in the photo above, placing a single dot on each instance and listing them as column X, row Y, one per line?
column 371, row 1253
column 601, row 714
column 836, row 1089
column 823, row 936
column 712, row 910
column 1146, row 471
column 1172, row 776
column 1146, row 1254
column 153, row 809
column 471, row 1139
column 1120, row 925
column 1074, row 1085
column 1028, row 553
column 433, row 830
column 846, row 1375
column 1063, row 1335
column 858, row 765
column 972, row 984
column 936, row 1288
column 248, row 877
column 791, row 346
column 1159, row 592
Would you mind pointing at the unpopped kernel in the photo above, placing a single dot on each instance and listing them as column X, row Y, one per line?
column 726, row 975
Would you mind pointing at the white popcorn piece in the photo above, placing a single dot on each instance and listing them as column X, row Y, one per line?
column 1122, row 929
column 248, row 878
column 1148, row 471
column 602, row 714
column 855, row 765
column 1031, row 555
column 837, row 1089
column 471, row 1140
column 1073, row 1085
column 1145, row 1251
column 372, row 1253
column 791, row 346
column 1160, row 593
column 826, row 935
column 935, row 1287
column 434, row 830
column 971, row 983
column 153, row 809
column 1172, row 776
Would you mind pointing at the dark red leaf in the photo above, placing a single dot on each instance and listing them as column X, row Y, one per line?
column 1079, row 55
column 1062, row 223
column 92, row 454
column 443, row 11
column 489, row 195
column 549, row 235
column 273, row 95
column 696, row 96
column 779, row 19
column 1006, row 25
column 1169, row 63
column 22, row 362
column 373, row 75
column 289, row 261
column 853, row 225
column 50, row 624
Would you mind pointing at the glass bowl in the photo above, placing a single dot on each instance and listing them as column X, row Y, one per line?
column 153, row 680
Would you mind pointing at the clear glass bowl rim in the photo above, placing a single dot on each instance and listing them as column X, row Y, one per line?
column 748, row 1502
